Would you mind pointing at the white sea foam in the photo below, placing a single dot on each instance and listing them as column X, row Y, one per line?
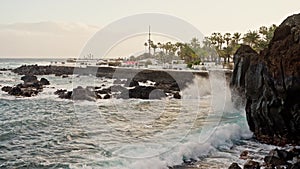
column 202, row 141
column 223, row 138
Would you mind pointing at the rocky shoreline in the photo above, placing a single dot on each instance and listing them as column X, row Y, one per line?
column 165, row 83
column 276, row 159
column 265, row 84
column 269, row 84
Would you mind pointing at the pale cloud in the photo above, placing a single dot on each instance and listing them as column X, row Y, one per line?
column 44, row 39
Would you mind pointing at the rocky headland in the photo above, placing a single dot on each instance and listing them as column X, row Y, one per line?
column 267, row 84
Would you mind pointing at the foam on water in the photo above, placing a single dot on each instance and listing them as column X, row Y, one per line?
column 223, row 138
column 117, row 133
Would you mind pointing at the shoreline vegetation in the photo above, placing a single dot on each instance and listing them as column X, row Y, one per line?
column 217, row 47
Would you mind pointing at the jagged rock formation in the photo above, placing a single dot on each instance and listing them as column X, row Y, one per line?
column 31, row 86
column 269, row 83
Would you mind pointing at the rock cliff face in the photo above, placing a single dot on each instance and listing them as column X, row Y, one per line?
column 269, row 84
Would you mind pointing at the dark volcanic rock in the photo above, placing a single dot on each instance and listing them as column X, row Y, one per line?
column 43, row 70
column 177, row 95
column 241, row 60
column 282, row 154
column 234, row 166
column 107, row 96
column 16, row 91
column 143, row 92
column 269, row 83
column 6, row 88
column 29, row 79
column 63, row 94
column 30, row 87
column 81, row 93
column 104, row 91
column 44, row 81
column 274, row 161
column 244, row 155
column 251, row 165
column 60, row 91
column 4, row 69
column 64, row 76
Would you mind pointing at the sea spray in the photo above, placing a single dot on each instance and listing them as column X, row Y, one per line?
column 215, row 135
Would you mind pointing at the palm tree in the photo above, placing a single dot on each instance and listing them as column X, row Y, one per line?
column 195, row 43
column 145, row 44
column 206, row 42
column 220, row 40
column 228, row 51
column 264, row 31
column 271, row 31
column 213, row 40
column 154, row 47
column 168, row 47
column 236, row 38
column 227, row 38
column 251, row 38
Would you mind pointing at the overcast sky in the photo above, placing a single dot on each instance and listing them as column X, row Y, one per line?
column 61, row 28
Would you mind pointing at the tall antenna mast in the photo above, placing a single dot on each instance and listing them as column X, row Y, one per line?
column 149, row 42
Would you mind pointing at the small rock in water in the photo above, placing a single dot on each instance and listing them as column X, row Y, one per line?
column 177, row 95
column 234, row 166
column 6, row 88
column 107, row 96
column 29, row 79
column 64, row 76
column 44, row 81
column 244, row 155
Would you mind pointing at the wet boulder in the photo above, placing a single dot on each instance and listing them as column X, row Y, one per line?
column 16, row 91
column 146, row 92
column 44, row 81
column 81, row 93
column 234, row 166
column 6, row 88
column 177, row 95
column 29, row 79
column 63, row 94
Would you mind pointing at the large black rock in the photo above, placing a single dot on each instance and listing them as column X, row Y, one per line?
column 269, row 84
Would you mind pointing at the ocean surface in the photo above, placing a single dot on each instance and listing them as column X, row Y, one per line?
column 47, row 132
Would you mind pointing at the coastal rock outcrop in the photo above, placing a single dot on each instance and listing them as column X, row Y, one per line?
column 31, row 86
column 269, row 85
column 276, row 158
